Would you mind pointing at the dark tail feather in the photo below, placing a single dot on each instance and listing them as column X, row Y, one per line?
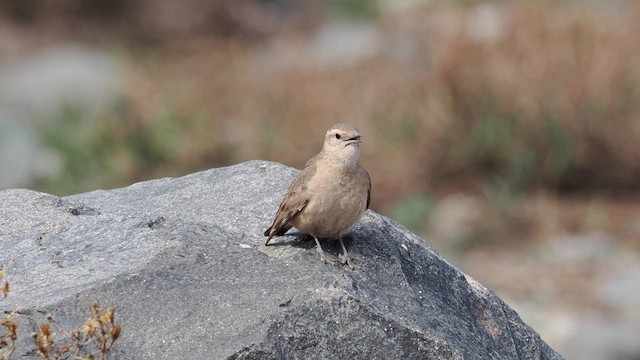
column 283, row 230
column 279, row 232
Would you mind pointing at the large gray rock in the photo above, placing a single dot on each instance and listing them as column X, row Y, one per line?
column 183, row 262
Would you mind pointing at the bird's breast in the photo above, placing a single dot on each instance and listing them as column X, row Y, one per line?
column 338, row 198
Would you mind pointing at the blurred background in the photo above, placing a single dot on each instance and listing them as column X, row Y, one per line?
column 506, row 133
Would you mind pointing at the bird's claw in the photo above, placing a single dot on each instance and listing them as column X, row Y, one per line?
column 345, row 259
column 324, row 258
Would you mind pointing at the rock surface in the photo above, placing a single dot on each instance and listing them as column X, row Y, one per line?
column 184, row 263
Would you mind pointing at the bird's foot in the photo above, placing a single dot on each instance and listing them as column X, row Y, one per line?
column 344, row 258
column 323, row 257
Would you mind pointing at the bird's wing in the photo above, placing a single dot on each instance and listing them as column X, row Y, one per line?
column 365, row 175
column 294, row 202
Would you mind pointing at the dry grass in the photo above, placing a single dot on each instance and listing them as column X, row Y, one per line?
column 96, row 336
column 544, row 96
column 547, row 98
column 8, row 325
column 93, row 340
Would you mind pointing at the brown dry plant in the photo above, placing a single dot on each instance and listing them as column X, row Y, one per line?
column 8, row 325
column 545, row 98
column 9, row 337
column 93, row 340
column 492, row 98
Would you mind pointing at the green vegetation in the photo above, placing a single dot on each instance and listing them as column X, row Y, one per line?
column 356, row 9
column 413, row 211
column 112, row 150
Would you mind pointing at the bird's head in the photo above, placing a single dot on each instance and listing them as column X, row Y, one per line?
column 343, row 142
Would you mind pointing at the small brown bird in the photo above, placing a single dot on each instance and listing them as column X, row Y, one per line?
column 329, row 195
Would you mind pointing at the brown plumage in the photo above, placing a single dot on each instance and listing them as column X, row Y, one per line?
column 330, row 194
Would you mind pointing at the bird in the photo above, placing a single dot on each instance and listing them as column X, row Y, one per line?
column 329, row 195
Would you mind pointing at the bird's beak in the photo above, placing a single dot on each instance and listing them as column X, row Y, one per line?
column 354, row 140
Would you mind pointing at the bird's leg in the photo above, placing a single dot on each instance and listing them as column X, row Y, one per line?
column 323, row 257
column 344, row 257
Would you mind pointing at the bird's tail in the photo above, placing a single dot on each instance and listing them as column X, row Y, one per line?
column 271, row 232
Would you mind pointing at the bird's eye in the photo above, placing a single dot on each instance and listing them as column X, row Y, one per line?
column 337, row 136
